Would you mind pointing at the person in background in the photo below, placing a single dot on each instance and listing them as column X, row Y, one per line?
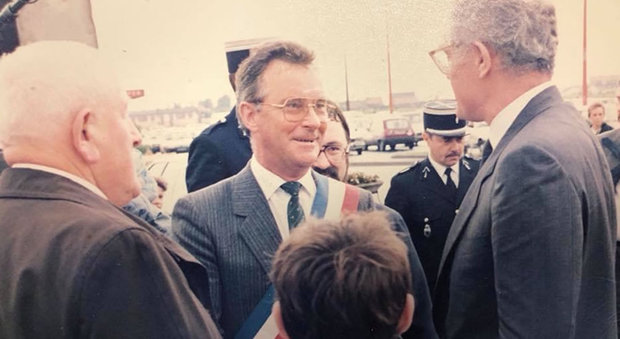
column 162, row 186
column 428, row 194
column 235, row 226
column 142, row 206
column 73, row 263
column 596, row 116
column 333, row 160
column 343, row 279
column 531, row 252
column 222, row 149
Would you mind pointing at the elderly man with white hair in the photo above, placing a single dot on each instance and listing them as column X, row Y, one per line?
column 74, row 264
column 530, row 253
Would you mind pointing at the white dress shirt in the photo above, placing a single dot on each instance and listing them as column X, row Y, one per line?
column 441, row 170
column 64, row 174
column 278, row 199
column 507, row 116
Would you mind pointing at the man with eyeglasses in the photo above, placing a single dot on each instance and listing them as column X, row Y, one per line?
column 235, row 226
column 333, row 160
column 429, row 193
column 531, row 252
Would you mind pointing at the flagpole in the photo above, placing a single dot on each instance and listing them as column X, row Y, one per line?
column 584, row 81
column 387, row 34
column 346, row 82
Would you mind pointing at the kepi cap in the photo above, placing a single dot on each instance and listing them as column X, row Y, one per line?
column 440, row 119
column 237, row 51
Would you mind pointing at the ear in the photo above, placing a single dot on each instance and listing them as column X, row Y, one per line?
column 277, row 317
column 248, row 115
column 82, row 134
column 407, row 316
column 484, row 60
column 425, row 136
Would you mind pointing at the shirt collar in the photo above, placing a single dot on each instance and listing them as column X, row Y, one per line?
column 269, row 182
column 441, row 169
column 505, row 118
column 64, row 174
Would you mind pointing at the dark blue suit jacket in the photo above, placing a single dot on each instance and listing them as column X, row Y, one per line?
column 219, row 152
column 531, row 252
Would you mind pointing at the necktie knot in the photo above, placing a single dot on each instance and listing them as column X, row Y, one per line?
column 292, row 188
column 294, row 212
column 448, row 171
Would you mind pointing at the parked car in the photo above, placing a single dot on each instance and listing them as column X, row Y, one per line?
column 389, row 131
column 177, row 141
column 358, row 130
column 416, row 119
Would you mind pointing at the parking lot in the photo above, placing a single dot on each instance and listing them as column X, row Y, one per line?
column 171, row 167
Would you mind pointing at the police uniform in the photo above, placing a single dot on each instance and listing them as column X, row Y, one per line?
column 221, row 150
column 422, row 198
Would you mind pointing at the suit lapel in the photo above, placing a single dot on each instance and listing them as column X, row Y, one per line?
column 538, row 104
column 259, row 230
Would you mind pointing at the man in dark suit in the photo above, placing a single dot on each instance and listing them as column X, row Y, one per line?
column 429, row 193
column 221, row 150
column 235, row 226
column 73, row 263
column 531, row 252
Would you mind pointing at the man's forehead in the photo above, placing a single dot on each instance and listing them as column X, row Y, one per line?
column 301, row 78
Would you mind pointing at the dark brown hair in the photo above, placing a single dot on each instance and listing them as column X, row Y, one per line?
column 342, row 279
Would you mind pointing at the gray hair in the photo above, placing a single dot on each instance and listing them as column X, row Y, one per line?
column 252, row 68
column 522, row 32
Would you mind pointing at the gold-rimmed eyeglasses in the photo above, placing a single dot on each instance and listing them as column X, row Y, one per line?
column 442, row 57
column 296, row 109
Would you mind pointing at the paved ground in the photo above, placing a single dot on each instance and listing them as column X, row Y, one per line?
column 171, row 166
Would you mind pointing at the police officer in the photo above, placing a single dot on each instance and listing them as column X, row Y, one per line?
column 428, row 194
column 221, row 150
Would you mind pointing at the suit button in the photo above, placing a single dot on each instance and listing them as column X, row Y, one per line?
column 456, row 211
column 425, row 219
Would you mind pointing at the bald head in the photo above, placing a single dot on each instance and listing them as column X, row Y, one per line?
column 62, row 107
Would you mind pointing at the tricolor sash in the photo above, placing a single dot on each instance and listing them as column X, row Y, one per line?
column 333, row 199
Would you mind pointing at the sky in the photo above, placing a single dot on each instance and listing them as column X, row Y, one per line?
column 174, row 50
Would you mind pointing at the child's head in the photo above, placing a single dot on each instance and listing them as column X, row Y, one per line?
column 338, row 279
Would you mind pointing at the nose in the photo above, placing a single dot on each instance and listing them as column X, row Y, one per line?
column 312, row 117
column 322, row 162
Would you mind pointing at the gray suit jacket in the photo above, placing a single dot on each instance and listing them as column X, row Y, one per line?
column 531, row 252
column 230, row 229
